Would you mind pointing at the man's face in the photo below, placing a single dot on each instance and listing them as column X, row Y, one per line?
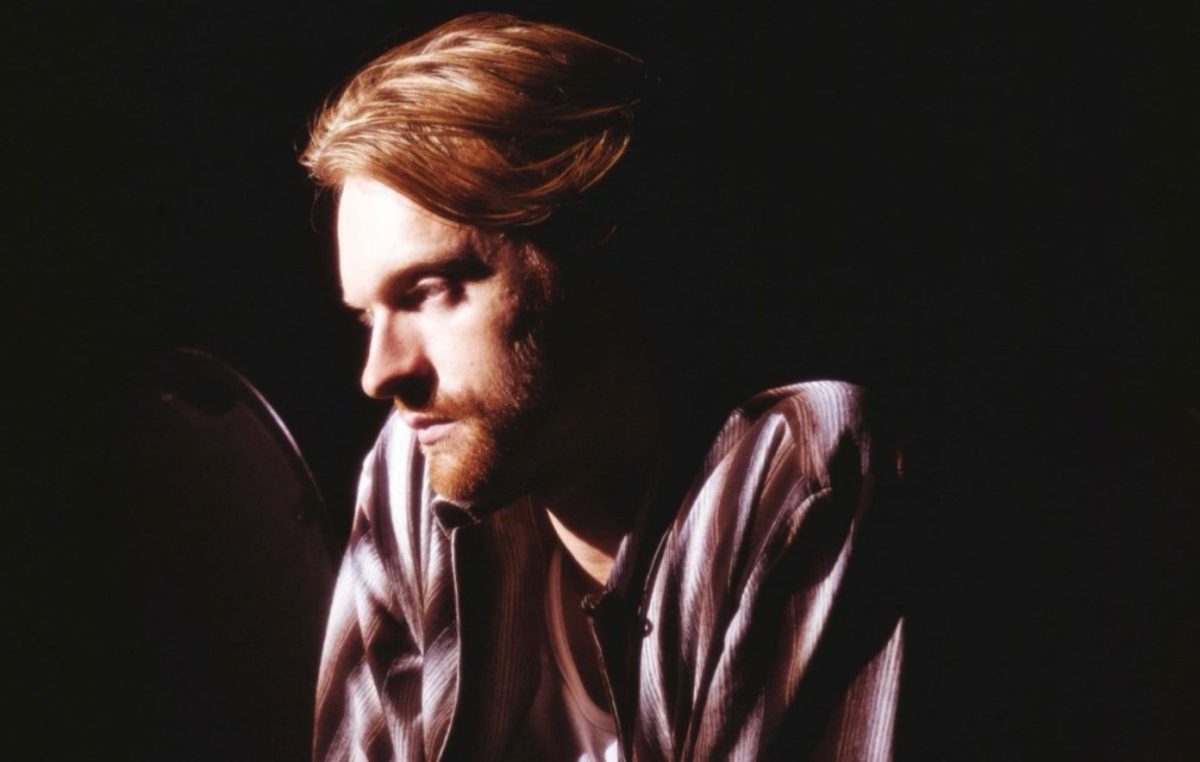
column 454, row 315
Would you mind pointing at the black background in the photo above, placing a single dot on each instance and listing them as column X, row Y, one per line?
column 983, row 210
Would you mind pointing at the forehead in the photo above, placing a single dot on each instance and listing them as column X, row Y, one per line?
column 382, row 233
column 372, row 217
column 365, row 204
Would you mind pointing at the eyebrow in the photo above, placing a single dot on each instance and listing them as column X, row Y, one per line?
column 463, row 264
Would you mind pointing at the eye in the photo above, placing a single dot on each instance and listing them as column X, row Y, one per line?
column 442, row 292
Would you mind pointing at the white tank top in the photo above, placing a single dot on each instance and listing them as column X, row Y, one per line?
column 564, row 723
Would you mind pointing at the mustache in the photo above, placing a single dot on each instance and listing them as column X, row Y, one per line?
column 441, row 406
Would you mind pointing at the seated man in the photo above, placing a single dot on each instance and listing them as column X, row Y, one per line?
column 542, row 565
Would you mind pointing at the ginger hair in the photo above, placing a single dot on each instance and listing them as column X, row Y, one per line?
column 486, row 120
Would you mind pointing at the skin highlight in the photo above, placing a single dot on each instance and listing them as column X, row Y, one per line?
column 450, row 343
column 469, row 163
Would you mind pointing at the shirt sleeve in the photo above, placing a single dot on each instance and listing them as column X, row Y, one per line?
column 367, row 642
column 777, row 625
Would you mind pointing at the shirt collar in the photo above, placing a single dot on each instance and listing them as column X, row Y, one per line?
column 452, row 515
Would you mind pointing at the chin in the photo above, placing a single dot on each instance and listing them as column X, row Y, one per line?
column 484, row 463
column 467, row 475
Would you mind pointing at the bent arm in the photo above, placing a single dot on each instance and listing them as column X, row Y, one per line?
column 777, row 621
column 369, row 691
column 366, row 643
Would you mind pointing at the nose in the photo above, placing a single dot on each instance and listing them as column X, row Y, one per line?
column 397, row 365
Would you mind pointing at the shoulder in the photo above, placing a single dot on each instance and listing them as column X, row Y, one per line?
column 392, row 515
column 392, row 472
column 784, row 456
column 810, row 427
column 775, row 580
column 794, row 473
column 837, row 404
column 394, row 446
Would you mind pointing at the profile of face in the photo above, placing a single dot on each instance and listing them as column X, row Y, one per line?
column 454, row 315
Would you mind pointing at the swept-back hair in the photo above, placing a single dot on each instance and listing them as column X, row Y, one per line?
column 487, row 120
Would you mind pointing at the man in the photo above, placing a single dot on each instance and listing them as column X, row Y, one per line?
column 543, row 565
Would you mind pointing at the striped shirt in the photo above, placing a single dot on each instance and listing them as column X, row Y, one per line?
column 756, row 618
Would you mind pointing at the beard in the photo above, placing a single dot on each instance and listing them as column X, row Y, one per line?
column 493, row 454
column 488, row 455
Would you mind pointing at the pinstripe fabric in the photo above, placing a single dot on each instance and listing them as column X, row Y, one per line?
column 765, row 615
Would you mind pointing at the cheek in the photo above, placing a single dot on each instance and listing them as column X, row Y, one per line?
column 473, row 347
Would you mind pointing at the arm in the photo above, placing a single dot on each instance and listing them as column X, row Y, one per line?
column 368, row 703
column 778, row 633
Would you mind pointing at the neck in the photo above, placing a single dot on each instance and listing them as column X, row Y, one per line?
column 593, row 517
column 608, row 440
column 593, row 552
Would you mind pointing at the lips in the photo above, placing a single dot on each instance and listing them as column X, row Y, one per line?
column 429, row 429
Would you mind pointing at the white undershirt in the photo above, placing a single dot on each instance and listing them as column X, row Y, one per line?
column 564, row 723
